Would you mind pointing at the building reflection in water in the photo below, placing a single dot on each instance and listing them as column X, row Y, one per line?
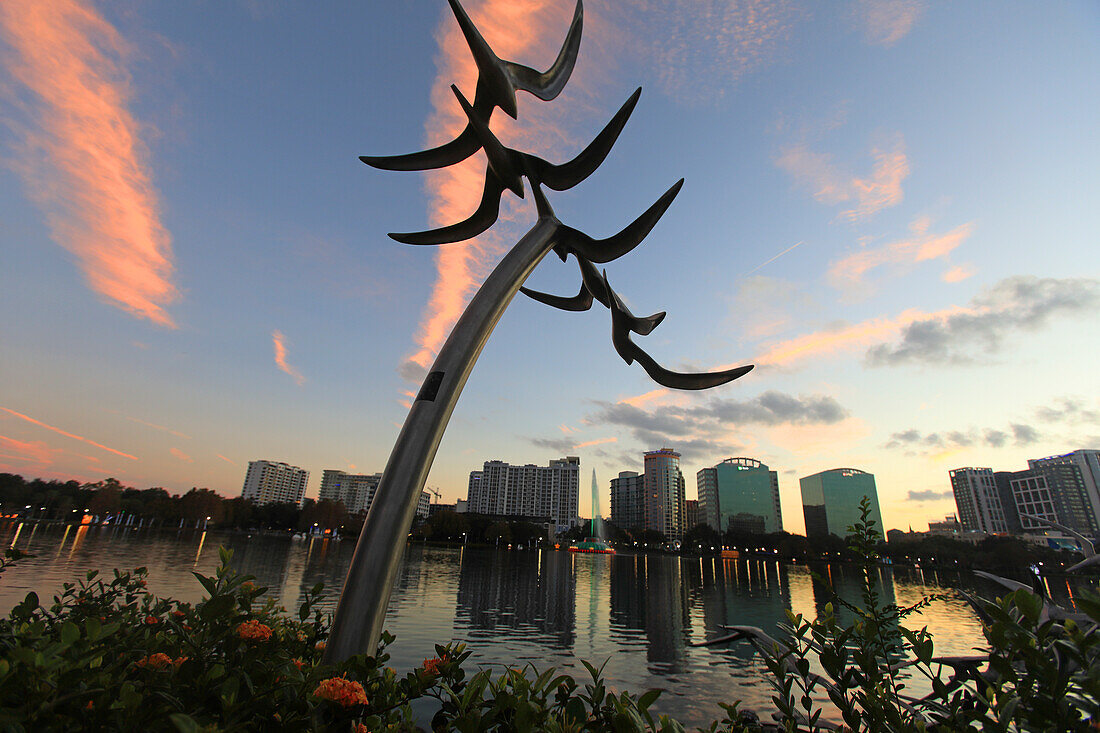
column 648, row 595
column 531, row 594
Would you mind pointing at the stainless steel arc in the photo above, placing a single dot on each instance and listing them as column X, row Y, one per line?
column 361, row 611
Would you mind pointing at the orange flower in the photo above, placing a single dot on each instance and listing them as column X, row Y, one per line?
column 319, row 646
column 434, row 665
column 177, row 662
column 298, row 663
column 90, row 705
column 142, row 583
column 360, row 728
column 248, row 586
column 341, row 691
column 178, row 613
column 160, row 660
column 253, row 630
column 151, row 620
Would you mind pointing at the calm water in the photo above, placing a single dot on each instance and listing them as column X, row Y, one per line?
column 639, row 612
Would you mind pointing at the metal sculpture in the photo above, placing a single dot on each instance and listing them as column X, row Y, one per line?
column 360, row 613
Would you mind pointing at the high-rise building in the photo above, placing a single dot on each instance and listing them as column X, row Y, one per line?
column 268, row 482
column 664, row 493
column 527, row 491
column 830, row 501
column 976, row 498
column 1072, row 480
column 692, row 518
column 628, row 500
column 356, row 491
column 740, row 494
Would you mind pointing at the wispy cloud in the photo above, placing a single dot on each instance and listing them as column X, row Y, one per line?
column 885, row 22
column 181, row 455
column 170, row 431
column 700, row 54
column 830, row 184
column 848, row 272
column 953, row 335
column 597, row 441
column 59, row 431
column 279, row 342
column 231, row 463
column 958, row 273
column 81, row 152
column 31, row 451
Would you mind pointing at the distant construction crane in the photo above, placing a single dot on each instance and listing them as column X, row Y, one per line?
column 437, row 494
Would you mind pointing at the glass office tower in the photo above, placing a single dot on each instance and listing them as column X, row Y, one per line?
column 830, row 501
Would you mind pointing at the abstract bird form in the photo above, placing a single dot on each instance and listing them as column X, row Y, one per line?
column 497, row 84
column 357, row 624
column 1087, row 547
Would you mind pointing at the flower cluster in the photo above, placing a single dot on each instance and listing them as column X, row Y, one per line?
column 253, row 630
column 160, row 660
column 432, row 666
column 341, row 691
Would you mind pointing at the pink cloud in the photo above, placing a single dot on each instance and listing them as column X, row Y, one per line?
column 158, row 427
column 34, row 452
column 958, row 273
column 850, row 271
column 83, row 157
column 59, row 431
column 181, row 455
column 231, row 463
column 598, row 441
column 279, row 342
column 643, row 399
column 831, row 185
column 885, row 22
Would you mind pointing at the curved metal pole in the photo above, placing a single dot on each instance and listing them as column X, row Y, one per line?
column 357, row 625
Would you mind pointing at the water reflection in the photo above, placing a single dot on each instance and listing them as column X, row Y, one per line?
column 530, row 594
column 636, row 612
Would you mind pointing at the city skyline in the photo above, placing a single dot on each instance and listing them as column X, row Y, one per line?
column 886, row 210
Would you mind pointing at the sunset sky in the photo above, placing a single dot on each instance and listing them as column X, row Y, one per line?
column 891, row 207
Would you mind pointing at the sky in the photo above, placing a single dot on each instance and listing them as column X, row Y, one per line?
column 889, row 208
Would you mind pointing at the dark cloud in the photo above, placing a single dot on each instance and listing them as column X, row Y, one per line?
column 560, row 445
column 1066, row 410
column 995, row 438
column 619, row 413
column 702, row 432
column 914, row 441
column 410, row 371
column 774, row 408
column 1024, row 434
column 929, row 495
column 1021, row 303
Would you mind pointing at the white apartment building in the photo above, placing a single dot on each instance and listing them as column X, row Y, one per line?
column 976, row 498
column 356, row 491
column 270, row 482
column 527, row 491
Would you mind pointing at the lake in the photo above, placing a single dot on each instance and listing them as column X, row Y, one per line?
column 513, row 607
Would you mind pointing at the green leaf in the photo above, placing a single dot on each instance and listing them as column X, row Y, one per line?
column 92, row 628
column 184, row 723
column 648, row 699
column 217, row 606
column 69, row 633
